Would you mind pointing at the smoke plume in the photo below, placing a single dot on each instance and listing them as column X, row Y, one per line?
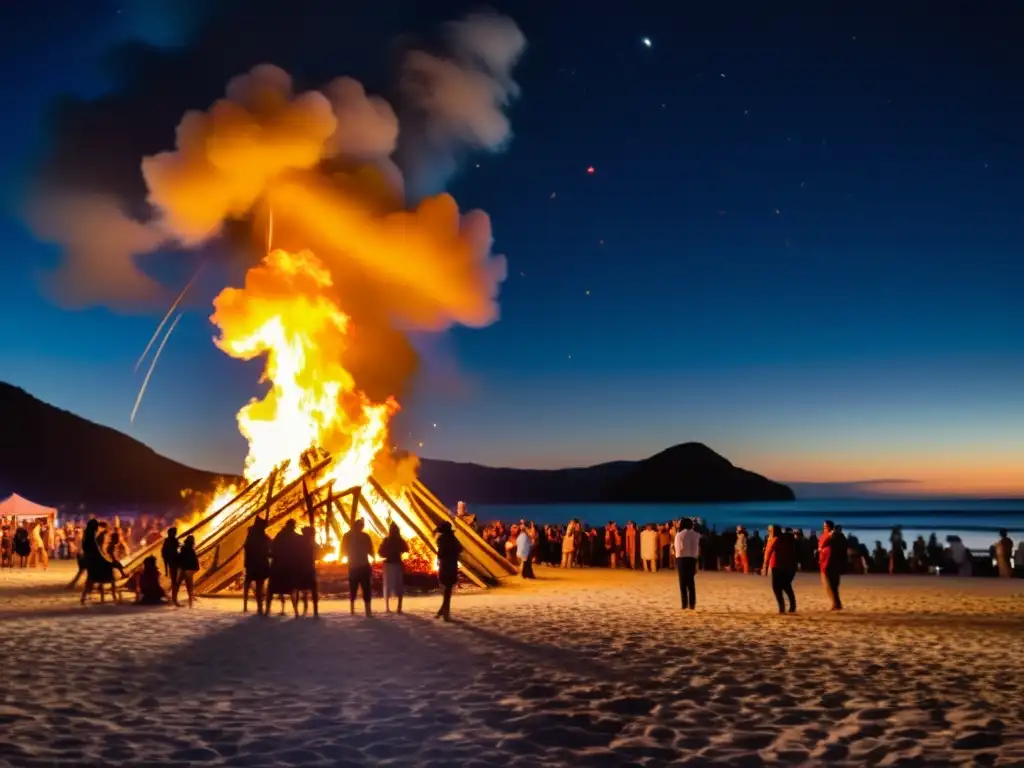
column 335, row 168
column 101, row 245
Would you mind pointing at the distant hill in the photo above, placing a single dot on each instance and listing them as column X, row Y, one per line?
column 54, row 457
column 690, row 472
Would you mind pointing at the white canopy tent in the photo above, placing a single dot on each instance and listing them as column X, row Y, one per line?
column 20, row 509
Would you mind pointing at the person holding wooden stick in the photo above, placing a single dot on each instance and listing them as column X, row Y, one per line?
column 448, row 551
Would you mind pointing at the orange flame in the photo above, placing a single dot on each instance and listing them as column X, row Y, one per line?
column 287, row 311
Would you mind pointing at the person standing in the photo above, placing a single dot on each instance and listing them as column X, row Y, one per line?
column 649, row 548
column 780, row 560
column 391, row 551
column 448, row 551
column 569, row 544
column 357, row 547
column 305, row 573
column 1004, row 555
column 524, row 551
column 169, row 554
column 832, row 553
column 687, row 548
column 256, row 561
column 741, row 561
column 631, row 542
column 188, row 566
column 38, row 555
column 612, row 544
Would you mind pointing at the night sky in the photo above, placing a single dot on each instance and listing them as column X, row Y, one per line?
column 801, row 242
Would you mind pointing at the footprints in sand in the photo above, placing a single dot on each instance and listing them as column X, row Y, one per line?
column 579, row 676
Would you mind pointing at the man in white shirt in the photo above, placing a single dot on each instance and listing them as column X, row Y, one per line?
column 687, row 546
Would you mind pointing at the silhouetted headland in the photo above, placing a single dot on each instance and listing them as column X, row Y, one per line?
column 56, row 457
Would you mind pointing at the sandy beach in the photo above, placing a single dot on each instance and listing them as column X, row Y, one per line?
column 586, row 667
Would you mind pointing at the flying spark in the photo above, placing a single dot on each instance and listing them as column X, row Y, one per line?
column 152, row 366
column 167, row 317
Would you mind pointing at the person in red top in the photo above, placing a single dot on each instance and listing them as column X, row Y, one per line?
column 780, row 559
column 832, row 559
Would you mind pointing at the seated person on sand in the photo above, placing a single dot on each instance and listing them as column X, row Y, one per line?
column 147, row 584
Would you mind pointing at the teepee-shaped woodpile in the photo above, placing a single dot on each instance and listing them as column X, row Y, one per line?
column 220, row 535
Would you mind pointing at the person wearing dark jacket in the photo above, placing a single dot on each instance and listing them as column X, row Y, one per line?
column 391, row 551
column 780, row 561
column 448, row 551
column 98, row 569
column 305, row 573
column 832, row 560
column 256, row 553
column 188, row 566
column 169, row 554
column 285, row 551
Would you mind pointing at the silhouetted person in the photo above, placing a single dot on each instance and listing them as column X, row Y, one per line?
column 188, row 566
column 1004, row 555
column 22, row 546
column 391, row 551
column 831, row 558
column 687, row 546
column 99, row 571
column 283, row 563
column 83, row 567
column 780, row 560
column 148, row 590
column 169, row 554
column 305, row 574
column 256, row 553
column 448, row 551
column 357, row 546
column 898, row 554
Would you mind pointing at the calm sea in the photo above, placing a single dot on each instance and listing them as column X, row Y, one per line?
column 975, row 521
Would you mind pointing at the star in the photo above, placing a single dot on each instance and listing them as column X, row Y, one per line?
column 590, row 169
column 552, row 196
column 647, row 42
column 588, row 291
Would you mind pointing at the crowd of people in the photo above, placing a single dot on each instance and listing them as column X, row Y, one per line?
column 283, row 566
column 31, row 543
column 689, row 547
column 650, row 548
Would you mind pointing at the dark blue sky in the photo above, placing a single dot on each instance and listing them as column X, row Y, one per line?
column 801, row 244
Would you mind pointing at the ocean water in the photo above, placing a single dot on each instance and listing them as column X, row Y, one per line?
column 977, row 522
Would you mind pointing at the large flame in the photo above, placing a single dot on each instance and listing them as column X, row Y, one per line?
column 287, row 311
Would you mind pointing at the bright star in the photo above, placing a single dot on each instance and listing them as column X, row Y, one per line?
column 647, row 42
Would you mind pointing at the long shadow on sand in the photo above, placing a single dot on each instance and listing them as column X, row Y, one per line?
column 351, row 690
